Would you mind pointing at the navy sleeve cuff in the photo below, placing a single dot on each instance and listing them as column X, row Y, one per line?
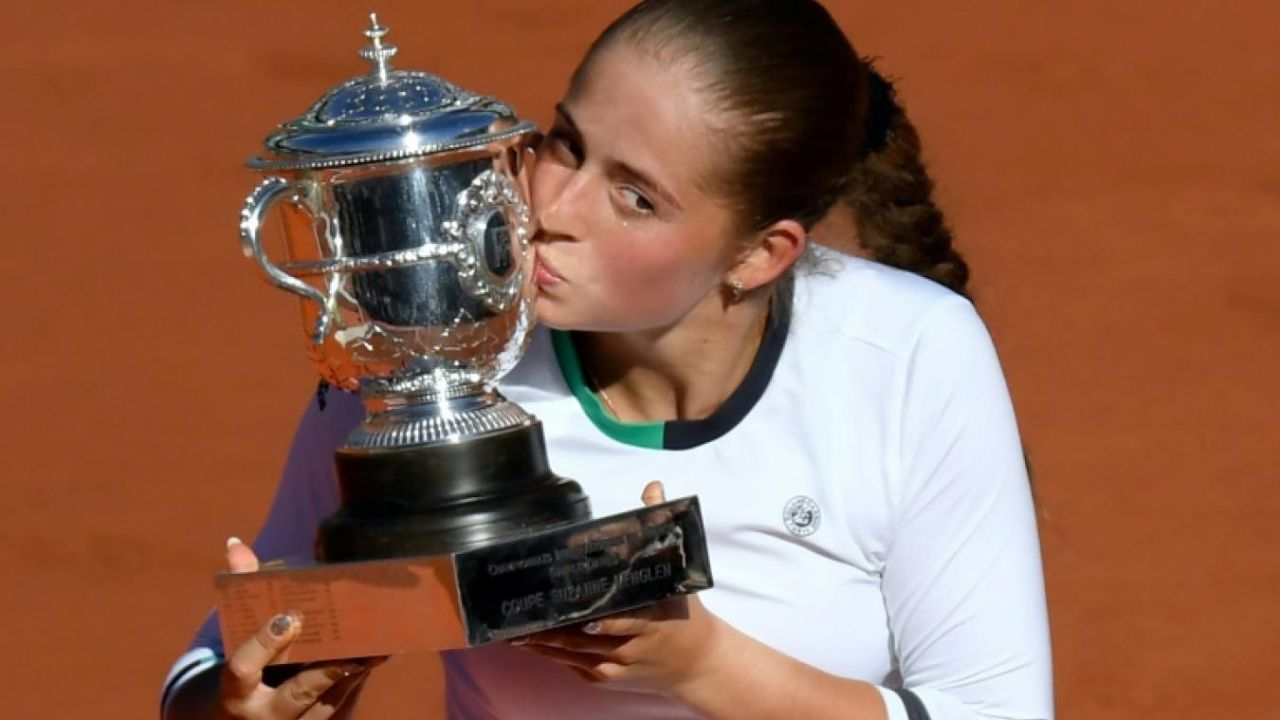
column 915, row 708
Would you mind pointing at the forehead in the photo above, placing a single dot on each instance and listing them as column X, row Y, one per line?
column 637, row 108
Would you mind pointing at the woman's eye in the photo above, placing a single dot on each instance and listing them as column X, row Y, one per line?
column 635, row 201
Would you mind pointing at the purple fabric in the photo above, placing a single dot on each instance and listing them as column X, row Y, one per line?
column 308, row 492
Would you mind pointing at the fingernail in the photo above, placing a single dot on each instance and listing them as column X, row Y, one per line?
column 233, row 540
column 591, row 628
column 280, row 625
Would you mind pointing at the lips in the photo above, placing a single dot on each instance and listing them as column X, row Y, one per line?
column 544, row 273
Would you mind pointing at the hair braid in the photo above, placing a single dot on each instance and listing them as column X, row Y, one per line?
column 891, row 195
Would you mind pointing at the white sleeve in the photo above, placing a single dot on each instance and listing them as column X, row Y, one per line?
column 308, row 490
column 963, row 582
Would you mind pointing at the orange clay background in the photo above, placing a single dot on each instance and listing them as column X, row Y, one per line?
column 1112, row 169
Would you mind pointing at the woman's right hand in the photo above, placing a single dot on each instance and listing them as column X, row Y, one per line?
column 315, row 693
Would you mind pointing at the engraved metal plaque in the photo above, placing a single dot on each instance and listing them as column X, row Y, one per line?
column 548, row 579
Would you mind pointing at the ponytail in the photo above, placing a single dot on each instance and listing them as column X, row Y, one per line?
column 891, row 196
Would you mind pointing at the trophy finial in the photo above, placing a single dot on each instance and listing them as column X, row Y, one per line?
column 376, row 52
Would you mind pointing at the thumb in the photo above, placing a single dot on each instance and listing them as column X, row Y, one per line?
column 240, row 558
column 653, row 494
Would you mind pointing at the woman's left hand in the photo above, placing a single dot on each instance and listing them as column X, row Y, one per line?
column 666, row 647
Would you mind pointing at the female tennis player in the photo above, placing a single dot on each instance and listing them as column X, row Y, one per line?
column 845, row 423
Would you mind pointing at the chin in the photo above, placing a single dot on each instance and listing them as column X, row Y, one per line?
column 558, row 317
column 552, row 313
column 586, row 316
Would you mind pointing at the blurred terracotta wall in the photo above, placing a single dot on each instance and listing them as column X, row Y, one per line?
column 1111, row 169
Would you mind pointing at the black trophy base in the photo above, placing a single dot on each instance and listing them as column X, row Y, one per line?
column 556, row 577
column 446, row 498
column 583, row 571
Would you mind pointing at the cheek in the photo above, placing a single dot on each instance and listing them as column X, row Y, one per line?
column 637, row 259
column 649, row 279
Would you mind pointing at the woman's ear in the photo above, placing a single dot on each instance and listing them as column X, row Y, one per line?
column 774, row 250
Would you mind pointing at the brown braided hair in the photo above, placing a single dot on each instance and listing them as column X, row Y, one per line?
column 891, row 196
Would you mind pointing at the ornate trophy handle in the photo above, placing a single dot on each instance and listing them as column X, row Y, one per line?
column 269, row 192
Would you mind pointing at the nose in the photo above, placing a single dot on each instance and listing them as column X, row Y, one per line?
column 559, row 201
column 523, row 160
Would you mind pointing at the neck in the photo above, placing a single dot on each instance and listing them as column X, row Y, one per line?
column 681, row 372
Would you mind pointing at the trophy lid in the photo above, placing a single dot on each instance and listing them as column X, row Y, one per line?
column 387, row 115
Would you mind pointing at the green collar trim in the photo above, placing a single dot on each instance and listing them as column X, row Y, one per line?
column 646, row 435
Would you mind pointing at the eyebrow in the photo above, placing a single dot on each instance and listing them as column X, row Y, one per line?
column 618, row 166
column 562, row 113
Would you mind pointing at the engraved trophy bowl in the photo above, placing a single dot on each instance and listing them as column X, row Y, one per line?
column 406, row 231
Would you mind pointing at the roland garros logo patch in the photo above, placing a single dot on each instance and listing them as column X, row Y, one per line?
column 802, row 516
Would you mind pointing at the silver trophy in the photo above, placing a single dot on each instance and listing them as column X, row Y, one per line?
column 408, row 242
column 403, row 204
